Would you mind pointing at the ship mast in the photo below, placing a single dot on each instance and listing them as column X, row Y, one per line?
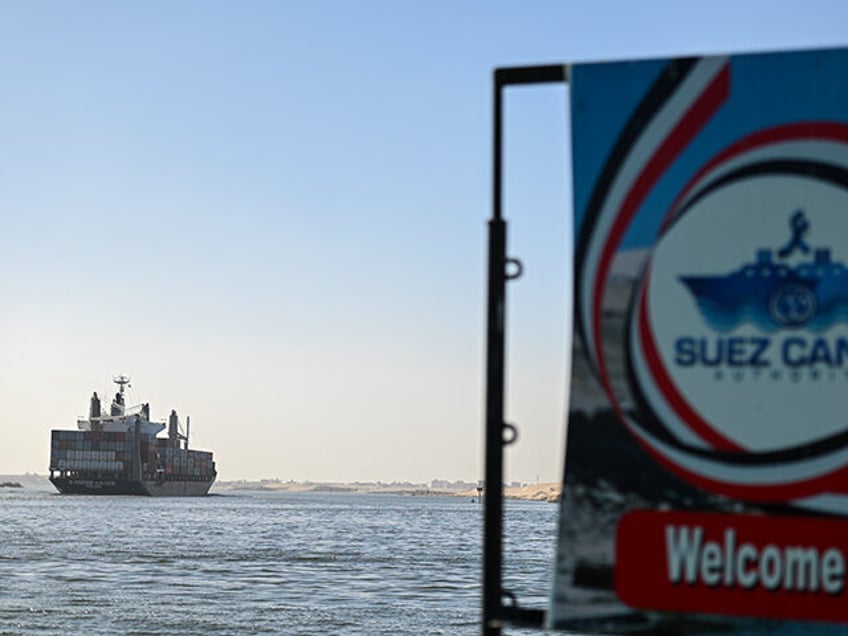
column 121, row 381
column 118, row 403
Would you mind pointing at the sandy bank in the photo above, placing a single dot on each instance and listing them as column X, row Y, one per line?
column 551, row 491
column 534, row 492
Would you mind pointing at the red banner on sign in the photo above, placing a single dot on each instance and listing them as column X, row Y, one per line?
column 741, row 565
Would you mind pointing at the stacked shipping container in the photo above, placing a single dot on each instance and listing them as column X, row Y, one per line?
column 89, row 451
column 186, row 464
column 113, row 453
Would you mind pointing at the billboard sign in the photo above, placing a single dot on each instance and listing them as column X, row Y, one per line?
column 706, row 467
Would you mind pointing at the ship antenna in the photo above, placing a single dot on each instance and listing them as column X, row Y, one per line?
column 121, row 380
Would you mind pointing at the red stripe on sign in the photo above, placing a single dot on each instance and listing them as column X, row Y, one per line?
column 735, row 565
column 701, row 111
column 812, row 130
column 668, row 388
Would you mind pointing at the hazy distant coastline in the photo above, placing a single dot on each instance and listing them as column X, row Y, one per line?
column 436, row 488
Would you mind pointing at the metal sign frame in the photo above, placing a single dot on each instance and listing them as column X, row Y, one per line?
column 751, row 132
column 500, row 606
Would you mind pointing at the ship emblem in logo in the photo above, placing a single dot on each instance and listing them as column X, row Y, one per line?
column 772, row 294
column 792, row 305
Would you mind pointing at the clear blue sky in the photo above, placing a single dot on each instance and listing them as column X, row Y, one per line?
column 272, row 216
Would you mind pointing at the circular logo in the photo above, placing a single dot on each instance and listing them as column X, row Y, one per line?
column 792, row 305
column 738, row 330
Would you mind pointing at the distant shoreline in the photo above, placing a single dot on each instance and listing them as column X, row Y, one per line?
column 549, row 492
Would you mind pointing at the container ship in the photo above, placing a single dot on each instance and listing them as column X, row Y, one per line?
column 120, row 454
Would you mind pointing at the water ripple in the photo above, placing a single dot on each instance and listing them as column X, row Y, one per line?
column 258, row 563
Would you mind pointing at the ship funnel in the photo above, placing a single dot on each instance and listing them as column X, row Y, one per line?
column 94, row 409
column 173, row 429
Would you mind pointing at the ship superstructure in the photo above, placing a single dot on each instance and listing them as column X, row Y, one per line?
column 119, row 453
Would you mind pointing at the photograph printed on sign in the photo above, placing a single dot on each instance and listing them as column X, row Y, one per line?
column 706, row 468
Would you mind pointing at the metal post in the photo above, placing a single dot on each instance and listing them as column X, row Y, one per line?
column 493, row 531
column 494, row 613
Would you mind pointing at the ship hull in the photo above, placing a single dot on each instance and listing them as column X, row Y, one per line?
column 146, row 488
column 177, row 488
